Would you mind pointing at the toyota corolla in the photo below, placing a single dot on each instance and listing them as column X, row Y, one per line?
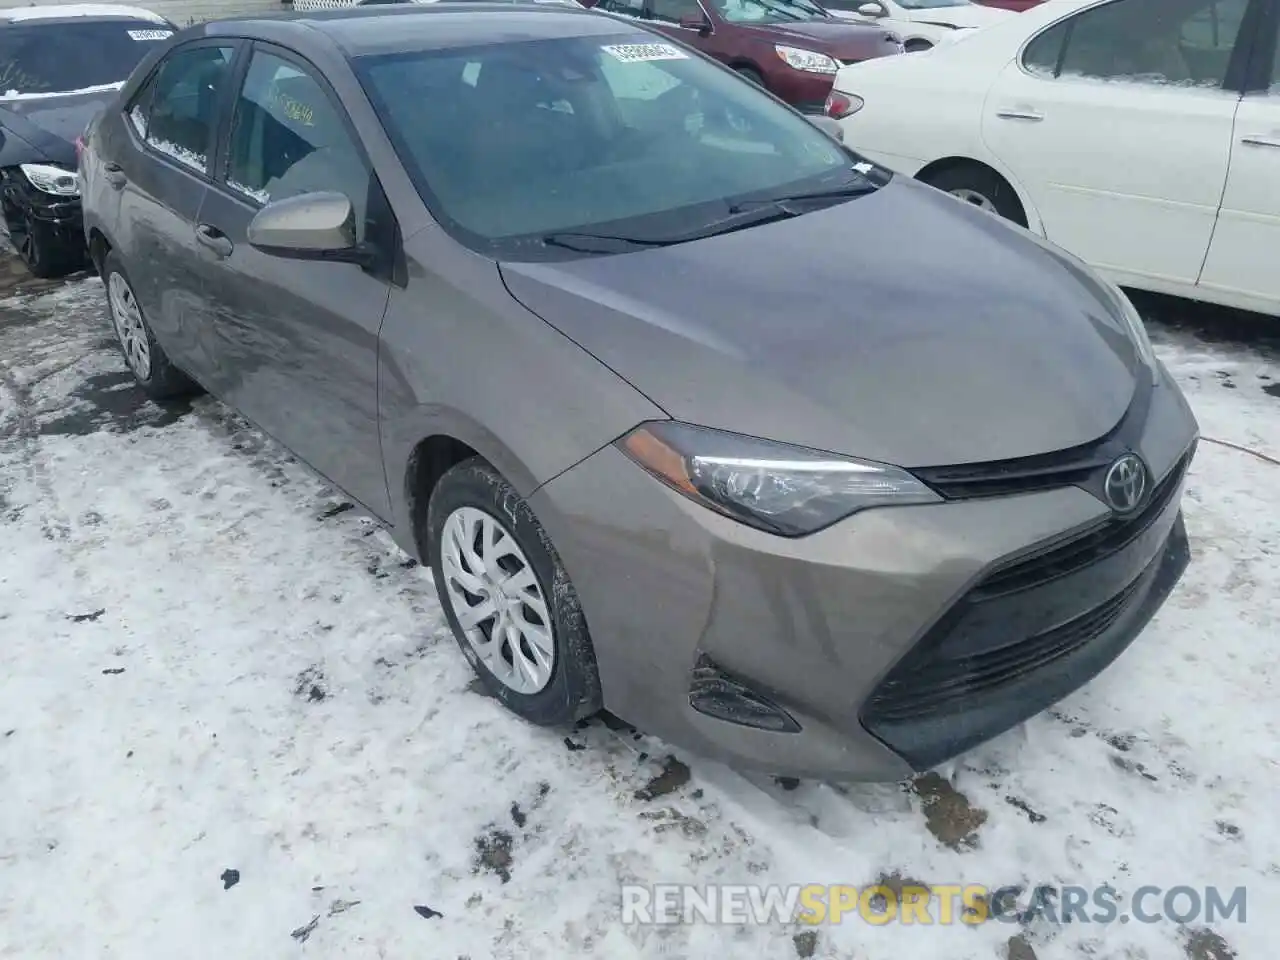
column 695, row 414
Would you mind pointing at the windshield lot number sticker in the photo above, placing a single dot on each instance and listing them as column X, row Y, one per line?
column 150, row 34
column 644, row 52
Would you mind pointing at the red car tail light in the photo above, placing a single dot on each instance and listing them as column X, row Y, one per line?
column 841, row 105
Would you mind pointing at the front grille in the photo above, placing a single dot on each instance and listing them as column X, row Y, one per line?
column 1081, row 466
column 930, row 689
column 1083, row 548
column 1028, row 612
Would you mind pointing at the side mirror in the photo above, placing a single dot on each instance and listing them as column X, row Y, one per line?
column 313, row 226
column 696, row 22
column 827, row 125
column 872, row 10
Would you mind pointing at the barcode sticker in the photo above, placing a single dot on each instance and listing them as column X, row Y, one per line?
column 150, row 34
column 642, row 52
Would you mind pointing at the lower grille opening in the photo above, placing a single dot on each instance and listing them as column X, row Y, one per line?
column 930, row 688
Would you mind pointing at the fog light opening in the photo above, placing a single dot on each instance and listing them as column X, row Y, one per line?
column 714, row 693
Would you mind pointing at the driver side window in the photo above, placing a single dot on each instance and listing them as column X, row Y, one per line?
column 288, row 138
column 1143, row 41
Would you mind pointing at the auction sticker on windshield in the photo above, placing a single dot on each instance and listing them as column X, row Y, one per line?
column 150, row 34
column 642, row 52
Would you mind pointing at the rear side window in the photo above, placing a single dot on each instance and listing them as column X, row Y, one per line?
column 177, row 112
column 288, row 138
column 47, row 58
column 1185, row 43
column 1044, row 53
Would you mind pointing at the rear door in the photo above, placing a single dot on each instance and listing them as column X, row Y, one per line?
column 162, row 176
column 1117, row 120
column 298, row 340
column 1246, row 240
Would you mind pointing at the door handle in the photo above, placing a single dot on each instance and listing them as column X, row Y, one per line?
column 1257, row 140
column 214, row 239
column 114, row 174
column 1032, row 116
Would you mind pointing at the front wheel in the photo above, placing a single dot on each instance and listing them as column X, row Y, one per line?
column 750, row 74
column 508, row 598
column 41, row 249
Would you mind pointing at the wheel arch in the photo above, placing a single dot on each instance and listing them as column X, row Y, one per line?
column 442, row 440
column 1029, row 211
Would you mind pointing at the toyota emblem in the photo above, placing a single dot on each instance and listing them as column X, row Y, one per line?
column 1125, row 485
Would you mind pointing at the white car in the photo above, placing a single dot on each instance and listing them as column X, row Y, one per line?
column 1141, row 135
column 921, row 23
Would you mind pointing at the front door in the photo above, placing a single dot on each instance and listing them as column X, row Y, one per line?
column 1243, row 256
column 1117, row 120
column 299, row 339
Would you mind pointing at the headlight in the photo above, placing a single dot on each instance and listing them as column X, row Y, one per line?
column 1137, row 332
column 775, row 487
column 806, row 60
column 54, row 180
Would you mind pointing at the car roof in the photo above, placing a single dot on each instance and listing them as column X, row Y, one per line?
column 393, row 28
column 72, row 11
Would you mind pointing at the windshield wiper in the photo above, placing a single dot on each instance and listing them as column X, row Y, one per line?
column 600, row 242
column 738, row 219
column 838, row 193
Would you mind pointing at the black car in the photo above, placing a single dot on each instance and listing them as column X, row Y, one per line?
column 58, row 67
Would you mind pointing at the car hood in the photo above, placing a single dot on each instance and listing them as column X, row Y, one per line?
column 834, row 37
column 969, row 15
column 53, row 123
column 902, row 326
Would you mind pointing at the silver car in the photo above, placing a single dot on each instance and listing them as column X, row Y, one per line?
column 696, row 415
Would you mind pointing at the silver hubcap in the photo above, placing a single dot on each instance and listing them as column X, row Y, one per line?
column 497, row 599
column 975, row 198
column 127, row 319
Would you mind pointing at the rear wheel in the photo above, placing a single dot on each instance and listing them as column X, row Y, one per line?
column 981, row 187
column 146, row 359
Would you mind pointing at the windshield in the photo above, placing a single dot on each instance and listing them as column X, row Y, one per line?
column 932, row 4
column 46, row 58
column 769, row 11
column 618, row 135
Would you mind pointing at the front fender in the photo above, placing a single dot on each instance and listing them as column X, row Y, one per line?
column 459, row 357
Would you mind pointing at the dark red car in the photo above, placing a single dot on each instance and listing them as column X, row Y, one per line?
column 792, row 48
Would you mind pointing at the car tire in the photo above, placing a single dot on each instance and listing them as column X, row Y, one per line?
column 472, row 500
column 751, row 74
column 145, row 358
column 980, row 186
column 41, row 250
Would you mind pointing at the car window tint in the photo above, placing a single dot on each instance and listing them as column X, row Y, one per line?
column 184, row 104
column 44, row 58
column 1166, row 42
column 673, row 11
column 1042, row 54
column 1275, row 69
column 288, row 138
column 628, row 8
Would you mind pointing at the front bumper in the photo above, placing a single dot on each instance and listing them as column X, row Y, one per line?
column 62, row 217
column 864, row 634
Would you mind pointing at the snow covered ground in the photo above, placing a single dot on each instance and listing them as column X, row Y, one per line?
column 208, row 663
